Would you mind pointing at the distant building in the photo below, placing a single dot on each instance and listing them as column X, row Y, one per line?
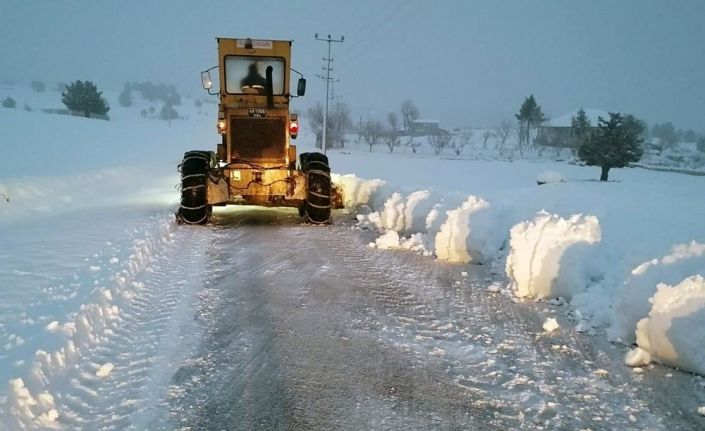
column 557, row 132
column 425, row 128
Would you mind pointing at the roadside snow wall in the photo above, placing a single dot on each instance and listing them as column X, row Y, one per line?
column 455, row 229
column 547, row 255
column 632, row 303
column 358, row 192
column 672, row 333
column 453, row 241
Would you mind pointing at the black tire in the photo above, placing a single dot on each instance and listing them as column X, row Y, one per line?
column 317, row 206
column 194, row 208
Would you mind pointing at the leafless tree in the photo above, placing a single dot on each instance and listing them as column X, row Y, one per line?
column 338, row 124
column 501, row 133
column 463, row 141
column 373, row 132
column 486, row 137
column 439, row 142
column 412, row 143
column 393, row 121
column 409, row 113
column 359, row 127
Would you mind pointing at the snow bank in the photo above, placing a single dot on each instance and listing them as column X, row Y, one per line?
column 423, row 222
column 546, row 257
column 453, row 240
column 633, row 300
column 546, row 177
column 357, row 191
column 672, row 333
column 391, row 240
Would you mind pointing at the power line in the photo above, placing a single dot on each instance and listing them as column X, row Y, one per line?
column 328, row 70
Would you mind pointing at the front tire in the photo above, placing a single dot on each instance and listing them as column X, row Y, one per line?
column 194, row 208
column 316, row 208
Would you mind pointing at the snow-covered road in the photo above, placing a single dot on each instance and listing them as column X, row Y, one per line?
column 259, row 322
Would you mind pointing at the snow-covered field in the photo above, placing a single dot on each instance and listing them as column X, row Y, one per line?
column 86, row 220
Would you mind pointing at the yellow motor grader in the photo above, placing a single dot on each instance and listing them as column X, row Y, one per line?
column 255, row 164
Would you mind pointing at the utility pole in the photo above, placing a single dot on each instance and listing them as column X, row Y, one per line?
column 328, row 71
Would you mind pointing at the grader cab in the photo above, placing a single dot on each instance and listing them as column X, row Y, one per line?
column 255, row 163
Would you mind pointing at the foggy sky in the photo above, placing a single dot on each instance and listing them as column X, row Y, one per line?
column 465, row 63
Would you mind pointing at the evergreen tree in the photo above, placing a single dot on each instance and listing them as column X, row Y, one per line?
column 614, row 144
column 665, row 132
column 580, row 127
column 580, row 122
column 701, row 144
column 168, row 112
column 125, row 97
column 84, row 97
column 9, row 102
column 529, row 113
column 38, row 86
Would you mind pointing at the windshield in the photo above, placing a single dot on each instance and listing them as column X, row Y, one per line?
column 246, row 75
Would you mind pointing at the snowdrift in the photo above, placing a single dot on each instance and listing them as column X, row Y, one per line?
column 547, row 255
column 633, row 300
column 672, row 333
column 454, row 229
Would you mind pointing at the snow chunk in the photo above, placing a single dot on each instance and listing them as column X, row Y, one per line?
column 53, row 326
column 392, row 240
column 356, row 191
column 550, row 325
column 637, row 357
column 105, row 370
column 701, row 410
column 546, row 255
column 389, row 240
column 669, row 333
column 29, row 412
column 632, row 303
column 550, row 177
column 453, row 238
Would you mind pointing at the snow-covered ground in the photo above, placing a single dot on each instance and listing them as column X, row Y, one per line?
column 86, row 223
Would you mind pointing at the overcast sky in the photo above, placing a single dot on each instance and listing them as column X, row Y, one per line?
column 465, row 63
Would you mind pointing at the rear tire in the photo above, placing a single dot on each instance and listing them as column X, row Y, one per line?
column 316, row 208
column 194, row 208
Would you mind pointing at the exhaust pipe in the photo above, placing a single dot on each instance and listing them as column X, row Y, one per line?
column 269, row 87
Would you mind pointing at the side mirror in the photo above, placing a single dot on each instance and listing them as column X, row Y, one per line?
column 301, row 87
column 206, row 80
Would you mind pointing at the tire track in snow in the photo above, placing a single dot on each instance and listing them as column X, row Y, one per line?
column 145, row 343
column 114, row 366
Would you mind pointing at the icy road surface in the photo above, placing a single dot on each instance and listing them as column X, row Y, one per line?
column 259, row 322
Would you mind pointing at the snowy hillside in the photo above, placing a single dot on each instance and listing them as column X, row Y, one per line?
column 86, row 219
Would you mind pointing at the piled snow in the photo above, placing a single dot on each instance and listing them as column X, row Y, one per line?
column 28, row 411
column 356, row 191
column 453, row 239
column 550, row 325
column 546, row 255
column 671, row 334
column 546, row 177
column 391, row 240
column 633, row 301
column 421, row 222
